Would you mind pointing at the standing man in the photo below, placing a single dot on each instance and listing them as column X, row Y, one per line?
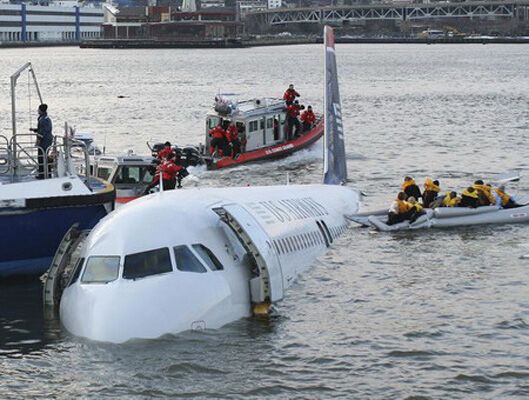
column 44, row 138
column 290, row 95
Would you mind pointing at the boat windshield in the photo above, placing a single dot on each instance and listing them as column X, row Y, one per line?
column 101, row 269
column 133, row 175
column 104, row 172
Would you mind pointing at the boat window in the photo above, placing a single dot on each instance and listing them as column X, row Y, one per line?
column 253, row 126
column 262, row 124
column 208, row 257
column 77, row 271
column 186, row 260
column 213, row 122
column 101, row 269
column 104, row 172
column 147, row 263
column 269, row 123
column 282, row 118
column 133, row 175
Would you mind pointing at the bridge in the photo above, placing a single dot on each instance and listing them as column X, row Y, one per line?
column 515, row 10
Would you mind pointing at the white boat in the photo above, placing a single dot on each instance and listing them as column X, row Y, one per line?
column 202, row 258
column 35, row 214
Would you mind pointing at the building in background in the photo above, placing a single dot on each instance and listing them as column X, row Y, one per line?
column 64, row 21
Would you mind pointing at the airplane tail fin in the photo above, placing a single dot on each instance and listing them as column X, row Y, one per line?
column 334, row 161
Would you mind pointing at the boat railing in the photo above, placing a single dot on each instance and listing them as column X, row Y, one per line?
column 26, row 160
column 5, row 155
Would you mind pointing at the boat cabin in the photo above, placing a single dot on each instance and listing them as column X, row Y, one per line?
column 130, row 174
column 260, row 122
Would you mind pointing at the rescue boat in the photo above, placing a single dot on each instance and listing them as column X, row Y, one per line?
column 263, row 131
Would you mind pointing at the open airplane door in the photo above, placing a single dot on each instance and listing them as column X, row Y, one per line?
column 267, row 286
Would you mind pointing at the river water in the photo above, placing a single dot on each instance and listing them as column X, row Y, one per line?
column 420, row 315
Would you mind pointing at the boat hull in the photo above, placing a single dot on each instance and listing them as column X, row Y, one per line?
column 276, row 151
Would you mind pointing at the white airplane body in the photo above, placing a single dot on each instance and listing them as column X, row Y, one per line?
column 202, row 258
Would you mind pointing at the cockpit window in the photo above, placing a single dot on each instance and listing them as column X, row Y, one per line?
column 186, row 260
column 77, row 271
column 208, row 257
column 147, row 263
column 101, row 269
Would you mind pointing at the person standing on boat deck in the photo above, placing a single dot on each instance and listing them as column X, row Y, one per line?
column 308, row 118
column 469, row 198
column 170, row 170
column 506, row 201
column 410, row 188
column 292, row 119
column 218, row 140
column 431, row 190
column 44, row 138
column 232, row 134
column 290, row 95
column 163, row 153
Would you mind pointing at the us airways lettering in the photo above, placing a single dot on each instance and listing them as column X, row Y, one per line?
column 338, row 116
column 287, row 210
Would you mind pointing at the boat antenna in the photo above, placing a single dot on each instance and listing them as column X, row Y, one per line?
column 161, row 181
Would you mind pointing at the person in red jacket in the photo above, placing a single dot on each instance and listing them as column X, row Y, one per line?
column 308, row 118
column 218, row 140
column 170, row 171
column 290, row 95
column 292, row 119
column 163, row 153
column 232, row 134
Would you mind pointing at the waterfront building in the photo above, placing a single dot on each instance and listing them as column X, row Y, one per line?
column 64, row 21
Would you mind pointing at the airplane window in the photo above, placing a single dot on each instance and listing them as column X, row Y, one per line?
column 324, row 225
column 292, row 244
column 101, row 269
column 208, row 257
column 147, row 263
column 283, row 249
column 322, row 232
column 289, row 245
column 77, row 271
column 186, row 260
column 276, row 246
column 302, row 242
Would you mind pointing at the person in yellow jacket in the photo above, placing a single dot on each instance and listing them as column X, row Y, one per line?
column 450, row 199
column 401, row 210
column 506, row 201
column 410, row 188
column 431, row 190
column 485, row 195
column 469, row 198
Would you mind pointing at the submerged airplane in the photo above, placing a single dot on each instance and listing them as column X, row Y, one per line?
column 202, row 258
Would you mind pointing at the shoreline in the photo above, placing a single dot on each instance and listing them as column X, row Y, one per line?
column 248, row 43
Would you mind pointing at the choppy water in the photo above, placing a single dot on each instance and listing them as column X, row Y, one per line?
column 410, row 315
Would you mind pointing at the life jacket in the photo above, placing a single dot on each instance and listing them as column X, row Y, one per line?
column 430, row 186
column 449, row 202
column 473, row 195
column 417, row 206
column 407, row 184
column 169, row 170
column 293, row 110
column 163, row 153
column 290, row 95
column 217, row 133
column 404, row 206
column 308, row 117
column 503, row 196
column 232, row 133
column 486, row 191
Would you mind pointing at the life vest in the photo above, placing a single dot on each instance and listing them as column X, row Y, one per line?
column 217, row 133
column 430, row 186
column 407, row 184
column 293, row 110
column 404, row 206
column 232, row 133
column 449, row 202
column 503, row 196
column 486, row 191
column 290, row 95
column 169, row 170
column 417, row 206
column 308, row 117
column 163, row 153
column 473, row 195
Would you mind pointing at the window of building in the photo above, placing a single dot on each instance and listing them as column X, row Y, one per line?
column 208, row 257
column 101, row 269
column 147, row 263
column 186, row 260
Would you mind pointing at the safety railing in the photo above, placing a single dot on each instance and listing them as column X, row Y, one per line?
column 5, row 155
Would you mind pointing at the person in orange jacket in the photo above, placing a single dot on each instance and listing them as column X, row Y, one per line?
column 292, row 119
column 163, row 153
column 308, row 118
column 290, row 95
column 169, row 170
column 232, row 135
column 218, row 140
